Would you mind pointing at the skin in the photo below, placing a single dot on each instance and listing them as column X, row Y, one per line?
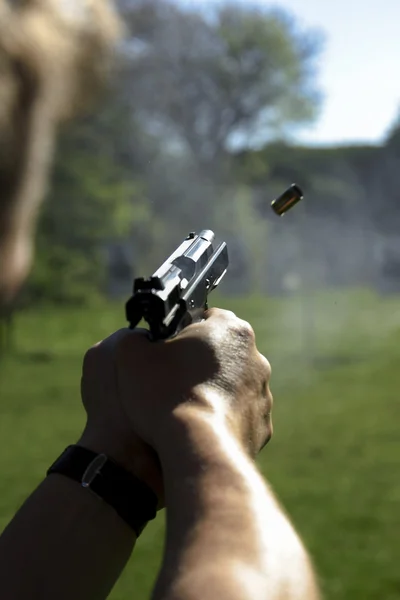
column 226, row 534
column 192, row 439
column 51, row 60
column 187, row 416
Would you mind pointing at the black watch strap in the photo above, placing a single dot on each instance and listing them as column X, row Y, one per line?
column 133, row 500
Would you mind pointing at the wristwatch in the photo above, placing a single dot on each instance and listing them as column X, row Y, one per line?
column 132, row 499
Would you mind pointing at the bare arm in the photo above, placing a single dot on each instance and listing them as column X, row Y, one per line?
column 63, row 543
column 53, row 56
column 227, row 537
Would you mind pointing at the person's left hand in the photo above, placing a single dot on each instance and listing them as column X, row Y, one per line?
column 108, row 430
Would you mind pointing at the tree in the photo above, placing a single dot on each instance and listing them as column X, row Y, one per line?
column 151, row 164
column 94, row 200
column 234, row 77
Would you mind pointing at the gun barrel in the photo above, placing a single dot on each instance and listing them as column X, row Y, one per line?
column 207, row 234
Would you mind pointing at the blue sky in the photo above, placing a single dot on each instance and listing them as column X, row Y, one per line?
column 359, row 70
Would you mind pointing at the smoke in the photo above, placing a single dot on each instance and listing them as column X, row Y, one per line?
column 331, row 299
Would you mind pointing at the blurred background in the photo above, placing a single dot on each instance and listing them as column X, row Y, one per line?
column 214, row 109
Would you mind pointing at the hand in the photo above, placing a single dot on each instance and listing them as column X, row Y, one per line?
column 134, row 389
column 108, row 429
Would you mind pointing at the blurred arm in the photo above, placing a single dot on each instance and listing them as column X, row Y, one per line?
column 227, row 538
column 53, row 57
column 63, row 543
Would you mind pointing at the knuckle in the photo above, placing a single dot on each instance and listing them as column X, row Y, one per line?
column 245, row 331
column 227, row 315
column 220, row 313
column 213, row 311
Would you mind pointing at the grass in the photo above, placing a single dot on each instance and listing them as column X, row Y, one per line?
column 334, row 459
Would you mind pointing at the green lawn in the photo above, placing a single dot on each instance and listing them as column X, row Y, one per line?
column 335, row 457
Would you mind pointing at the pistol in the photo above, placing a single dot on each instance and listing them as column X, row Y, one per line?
column 176, row 295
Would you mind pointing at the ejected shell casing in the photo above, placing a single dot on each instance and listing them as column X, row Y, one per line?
column 287, row 200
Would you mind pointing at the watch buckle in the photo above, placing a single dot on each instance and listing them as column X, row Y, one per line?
column 93, row 469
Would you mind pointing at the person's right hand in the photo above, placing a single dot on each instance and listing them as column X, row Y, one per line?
column 135, row 391
column 212, row 366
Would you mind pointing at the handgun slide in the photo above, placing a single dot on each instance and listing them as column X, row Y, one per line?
column 177, row 293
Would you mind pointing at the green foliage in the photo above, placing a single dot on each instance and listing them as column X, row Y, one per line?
column 207, row 81
column 271, row 58
column 93, row 201
column 153, row 162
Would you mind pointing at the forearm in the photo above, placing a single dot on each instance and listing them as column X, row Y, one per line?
column 63, row 543
column 226, row 535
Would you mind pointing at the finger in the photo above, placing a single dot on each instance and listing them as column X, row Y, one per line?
column 219, row 313
column 265, row 366
column 215, row 320
column 212, row 318
column 268, row 433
